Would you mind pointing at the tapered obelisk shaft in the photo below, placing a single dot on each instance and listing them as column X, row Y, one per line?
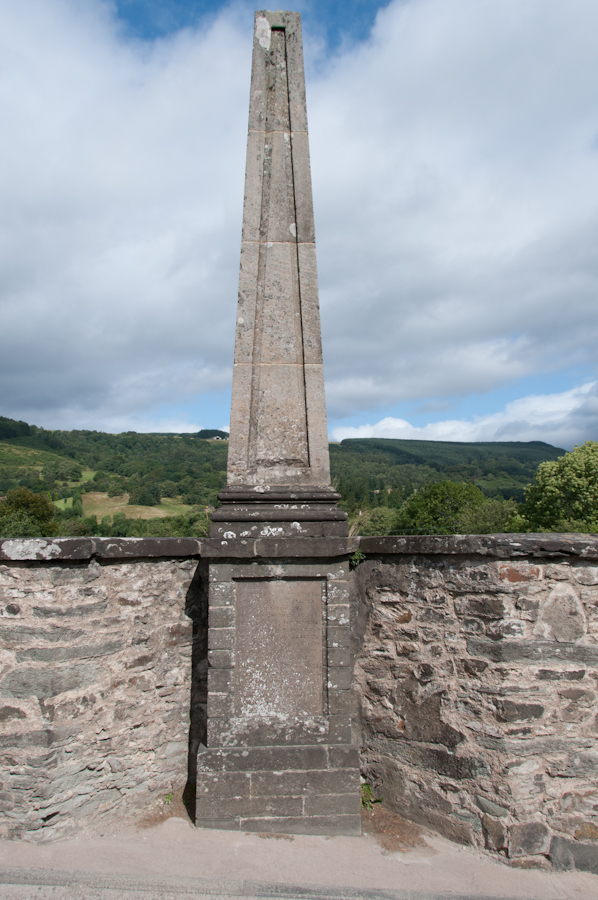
column 278, row 432
column 279, row 703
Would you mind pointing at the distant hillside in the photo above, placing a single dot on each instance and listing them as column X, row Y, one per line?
column 367, row 471
column 363, row 467
column 169, row 465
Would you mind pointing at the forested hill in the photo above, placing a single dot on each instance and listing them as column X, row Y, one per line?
column 361, row 466
column 368, row 471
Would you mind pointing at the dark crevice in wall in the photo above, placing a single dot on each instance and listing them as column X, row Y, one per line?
column 196, row 607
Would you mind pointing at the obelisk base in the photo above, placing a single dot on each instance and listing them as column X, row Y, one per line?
column 282, row 730
column 252, row 513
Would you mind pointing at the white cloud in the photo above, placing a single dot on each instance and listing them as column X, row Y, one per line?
column 456, row 191
column 121, row 189
column 560, row 419
column 455, row 169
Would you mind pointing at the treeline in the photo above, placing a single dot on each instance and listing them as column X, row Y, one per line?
column 145, row 466
column 383, row 482
column 373, row 472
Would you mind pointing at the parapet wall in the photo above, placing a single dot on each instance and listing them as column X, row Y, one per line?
column 95, row 668
column 478, row 676
column 476, row 669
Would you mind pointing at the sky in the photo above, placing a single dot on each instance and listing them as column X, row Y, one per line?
column 454, row 150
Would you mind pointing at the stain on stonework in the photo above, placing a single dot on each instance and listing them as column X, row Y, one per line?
column 514, row 574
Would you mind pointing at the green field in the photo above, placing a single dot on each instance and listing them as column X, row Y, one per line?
column 100, row 505
column 12, row 454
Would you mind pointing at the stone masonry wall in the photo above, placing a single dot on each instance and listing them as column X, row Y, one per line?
column 95, row 669
column 478, row 679
column 477, row 673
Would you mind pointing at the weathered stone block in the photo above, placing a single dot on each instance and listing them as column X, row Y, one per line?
column 343, row 757
column 247, row 806
column 224, row 784
column 340, row 657
column 220, row 704
column 533, row 651
column 221, row 616
column 338, row 637
column 338, row 613
column 332, row 804
column 221, row 638
column 510, row 711
column 260, row 759
column 318, row 783
column 495, row 833
column 220, row 680
column 47, row 682
column 529, row 839
column 221, row 659
column 566, row 855
column 491, row 808
column 339, row 679
column 341, row 702
column 562, row 616
column 339, row 729
column 331, row 825
column 486, row 607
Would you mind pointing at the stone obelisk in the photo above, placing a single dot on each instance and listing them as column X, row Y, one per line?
column 280, row 748
column 278, row 448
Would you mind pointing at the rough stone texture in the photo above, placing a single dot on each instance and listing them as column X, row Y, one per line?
column 566, row 855
column 95, row 670
column 48, row 549
column 478, row 681
column 278, row 418
column 279, row 698
column 476, row 721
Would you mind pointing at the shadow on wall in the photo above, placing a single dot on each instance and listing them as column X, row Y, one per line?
column 196, row 607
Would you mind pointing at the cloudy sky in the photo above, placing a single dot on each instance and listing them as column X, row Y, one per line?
column 454, row 154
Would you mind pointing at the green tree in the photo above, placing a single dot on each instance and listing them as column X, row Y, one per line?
column 493, row 516
column 25, row 514
column 441, row 508
column 375, row 521
column 565, row 494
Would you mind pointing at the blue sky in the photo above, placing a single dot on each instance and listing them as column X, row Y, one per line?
column 454, row 148
column 335, row 22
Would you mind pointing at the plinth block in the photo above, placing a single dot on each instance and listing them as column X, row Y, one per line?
column 281, row 750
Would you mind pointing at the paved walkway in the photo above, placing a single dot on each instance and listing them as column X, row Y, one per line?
column 175, row 860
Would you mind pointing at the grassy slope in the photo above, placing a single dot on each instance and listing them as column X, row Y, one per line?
column 100, row 505
column 12, row 454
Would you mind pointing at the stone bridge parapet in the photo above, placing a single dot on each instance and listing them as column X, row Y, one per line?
column 476, row 671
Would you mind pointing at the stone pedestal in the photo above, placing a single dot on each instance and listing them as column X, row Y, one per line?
column 280, row 752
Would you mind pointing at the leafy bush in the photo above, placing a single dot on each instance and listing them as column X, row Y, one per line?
column 375, row 521
column 169, row 489
column 145, row 495
column 565, row 494
column 438, row 509
column 449, row 508
column 25, row 514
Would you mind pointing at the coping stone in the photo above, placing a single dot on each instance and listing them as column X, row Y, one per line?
column 500, row 546
column 63, row 549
